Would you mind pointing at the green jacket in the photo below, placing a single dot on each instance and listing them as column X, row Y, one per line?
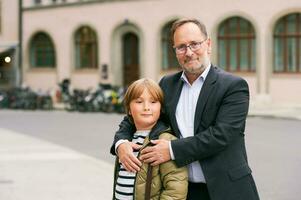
column 168, row 181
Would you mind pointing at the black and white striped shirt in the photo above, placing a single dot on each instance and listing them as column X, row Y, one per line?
column 124, row 188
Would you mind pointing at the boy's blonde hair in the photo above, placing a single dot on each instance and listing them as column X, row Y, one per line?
column 135, row 90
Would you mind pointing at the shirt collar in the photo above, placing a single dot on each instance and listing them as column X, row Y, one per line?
column 202, row 76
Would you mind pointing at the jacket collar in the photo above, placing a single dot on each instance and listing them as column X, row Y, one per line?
column 158, row 129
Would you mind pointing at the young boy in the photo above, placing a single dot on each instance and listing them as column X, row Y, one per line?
column 142, row 102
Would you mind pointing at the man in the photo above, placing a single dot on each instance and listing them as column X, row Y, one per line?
column 207, row 109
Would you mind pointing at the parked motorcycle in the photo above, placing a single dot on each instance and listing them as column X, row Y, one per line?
column 44, row 100
column 66, row 95
column 4, row 103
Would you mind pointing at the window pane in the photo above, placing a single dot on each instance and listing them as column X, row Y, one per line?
column 244, row 51
column 291, row 24
column 244, row 27
column 279, row 28
column 164, row 55
column 222, row 53
column 32, row 57
column 233, row 55
column 291, row 47
column 222, row 31
column 299, row 56
column 278, row 55
column 172, row 57
column 85, row 62
column 253, row 56
column 233, row 26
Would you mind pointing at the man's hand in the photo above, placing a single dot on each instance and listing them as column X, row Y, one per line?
column 125, row 154
column 156, row 154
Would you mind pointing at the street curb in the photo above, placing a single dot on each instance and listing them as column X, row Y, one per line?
column 275, row 116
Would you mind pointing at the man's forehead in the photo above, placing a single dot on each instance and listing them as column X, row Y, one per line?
column 188, row 28
column 187, row 37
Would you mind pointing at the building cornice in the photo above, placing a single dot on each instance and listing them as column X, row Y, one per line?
column 71, row 4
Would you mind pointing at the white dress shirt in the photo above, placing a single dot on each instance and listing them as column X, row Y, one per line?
column 185, row 113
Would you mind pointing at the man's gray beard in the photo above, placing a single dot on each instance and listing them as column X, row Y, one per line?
column 198, row 70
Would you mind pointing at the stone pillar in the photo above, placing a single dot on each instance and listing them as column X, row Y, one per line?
column 64, row 52
column 264, row 65
column 149, row 64
column 105, row 67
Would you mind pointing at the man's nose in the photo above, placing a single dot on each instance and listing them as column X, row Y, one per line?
column 188, row 52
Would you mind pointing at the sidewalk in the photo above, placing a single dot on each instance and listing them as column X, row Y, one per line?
column 34, row 169
column 276, row 111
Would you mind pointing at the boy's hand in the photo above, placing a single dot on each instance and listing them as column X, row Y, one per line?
column 125, row 153
column 156, row 154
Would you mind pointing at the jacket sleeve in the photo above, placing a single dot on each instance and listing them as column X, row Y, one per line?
column 226, row 126
column 125, row 131
column 174, row 179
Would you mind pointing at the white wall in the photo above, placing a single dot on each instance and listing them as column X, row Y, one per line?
column 9, row 22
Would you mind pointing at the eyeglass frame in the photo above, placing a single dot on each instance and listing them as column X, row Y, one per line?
column 189, row 46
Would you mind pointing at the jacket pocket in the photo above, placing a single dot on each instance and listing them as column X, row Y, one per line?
column 239, row 172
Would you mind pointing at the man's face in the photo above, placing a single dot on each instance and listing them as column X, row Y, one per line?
column 192, row 62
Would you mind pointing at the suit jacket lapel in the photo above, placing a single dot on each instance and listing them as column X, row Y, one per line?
column 173, row 106
column 207, row 88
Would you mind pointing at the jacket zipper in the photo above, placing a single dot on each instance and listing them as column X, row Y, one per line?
column 145, row 145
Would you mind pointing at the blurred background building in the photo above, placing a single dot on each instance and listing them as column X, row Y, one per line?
column 9, row 44
column 118, row 41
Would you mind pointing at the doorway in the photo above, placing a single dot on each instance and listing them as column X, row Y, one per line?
column 7, row 76
column 130, row 58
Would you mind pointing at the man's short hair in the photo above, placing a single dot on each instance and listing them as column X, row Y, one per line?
column 183, row 21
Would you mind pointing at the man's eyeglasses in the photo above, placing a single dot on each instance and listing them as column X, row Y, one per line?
column 194, row 46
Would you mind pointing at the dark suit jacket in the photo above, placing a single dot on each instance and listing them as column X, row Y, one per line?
column 218, row 142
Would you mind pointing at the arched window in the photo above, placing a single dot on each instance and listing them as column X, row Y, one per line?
column 85, row 48
column 287, row 44
column 236, row 45
column 169, row 59
column 42, row 52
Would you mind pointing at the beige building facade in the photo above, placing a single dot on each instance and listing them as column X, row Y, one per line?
column 125, row 39
column 9, row 43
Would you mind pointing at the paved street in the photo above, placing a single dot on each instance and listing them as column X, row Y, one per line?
column 89, row 133
column 60, row 155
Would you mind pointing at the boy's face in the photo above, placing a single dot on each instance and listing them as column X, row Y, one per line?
column 145, row 111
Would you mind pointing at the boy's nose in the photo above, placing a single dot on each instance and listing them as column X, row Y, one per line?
column 146, row 106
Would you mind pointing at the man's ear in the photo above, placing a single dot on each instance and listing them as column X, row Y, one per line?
column 209, row 49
